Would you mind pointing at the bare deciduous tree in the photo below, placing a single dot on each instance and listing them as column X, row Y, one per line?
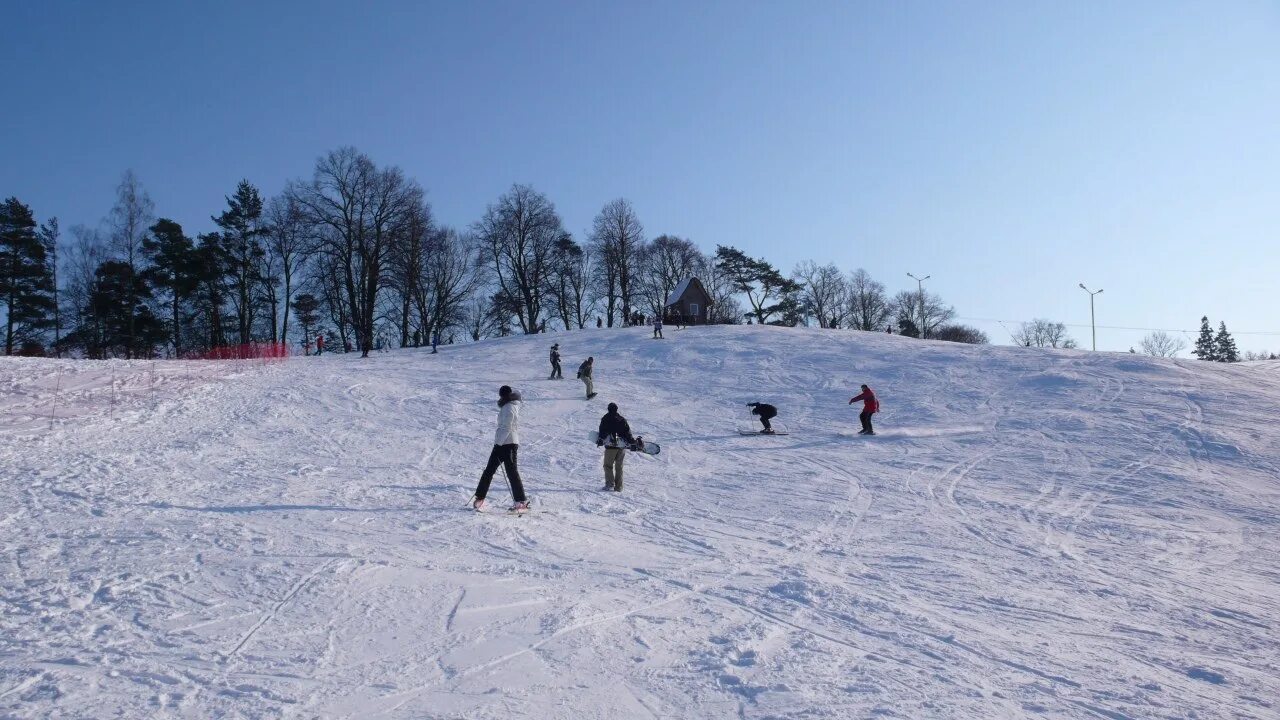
column 571, row 282
column 450, row 277
column 867, row 302
column 407, row 272
column 823, row 292
column 617, row 238
column 288, row 244
column 926, row 312
column 1162, row 344
column 668, row 261
column 87, row 252
column 725, row 308
column 1043, row 333
column 961, row 334
column 518, row 235
column 359, row 213
column 130, row 217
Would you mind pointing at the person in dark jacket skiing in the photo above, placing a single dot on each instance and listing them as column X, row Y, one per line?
column 584, row 374
column 615, row 437
column 556, row 374
column 506, row 442
column 765, row 413
column 870, row 406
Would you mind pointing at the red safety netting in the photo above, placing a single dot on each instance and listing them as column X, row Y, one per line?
column 266, row 352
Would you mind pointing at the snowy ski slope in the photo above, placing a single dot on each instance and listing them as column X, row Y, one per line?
column 1033, row 534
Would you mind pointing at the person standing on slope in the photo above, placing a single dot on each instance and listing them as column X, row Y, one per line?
column 765, row 412
column 584, row 374
column 319, row 344
column 615, row 437
column 657, row 328
column 506, row 442
column 870, row 406
column 556, row 374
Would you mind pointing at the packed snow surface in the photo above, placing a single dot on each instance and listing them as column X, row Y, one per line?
column 1034, row 533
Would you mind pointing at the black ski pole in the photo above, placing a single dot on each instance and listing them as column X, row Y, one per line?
column 511, row 489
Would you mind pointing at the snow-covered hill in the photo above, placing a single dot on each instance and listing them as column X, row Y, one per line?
column 1034, row 534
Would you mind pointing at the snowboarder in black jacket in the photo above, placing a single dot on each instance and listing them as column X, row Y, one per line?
column 765, row 412
column 615, row 436
column 556, row 374
column 584, row 374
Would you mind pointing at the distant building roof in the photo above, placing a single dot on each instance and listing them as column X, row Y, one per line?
column 674, row 297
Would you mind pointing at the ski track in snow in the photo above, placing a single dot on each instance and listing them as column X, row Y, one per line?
column 1032, row 534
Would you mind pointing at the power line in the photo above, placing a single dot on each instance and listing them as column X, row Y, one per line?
column 1122, row 327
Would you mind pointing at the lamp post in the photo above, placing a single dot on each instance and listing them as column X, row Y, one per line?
column 924, row 330
column 1093, row 327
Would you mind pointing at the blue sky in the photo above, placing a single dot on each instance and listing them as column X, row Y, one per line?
column 1010, row 150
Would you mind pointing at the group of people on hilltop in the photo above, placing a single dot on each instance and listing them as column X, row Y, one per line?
column 613, row 434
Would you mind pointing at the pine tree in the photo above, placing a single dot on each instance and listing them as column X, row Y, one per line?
column 242, row 251
column 1206, row 348
column 49, row 236
column 173, row 268
column 1225, row 346
column 307, row 309
column 760, row 281
column 121, row 304
column 26, row 285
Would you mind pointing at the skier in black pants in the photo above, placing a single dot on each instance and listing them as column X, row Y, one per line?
column 556, row 374
column 505, row 444
column 765, row 412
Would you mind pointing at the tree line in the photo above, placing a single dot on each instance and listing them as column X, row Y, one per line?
column 355, row 252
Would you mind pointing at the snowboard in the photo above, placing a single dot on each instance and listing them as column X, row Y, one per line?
column 648, row 447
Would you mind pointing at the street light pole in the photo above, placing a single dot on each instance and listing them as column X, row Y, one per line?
column 1093, row 326
column 924, row 330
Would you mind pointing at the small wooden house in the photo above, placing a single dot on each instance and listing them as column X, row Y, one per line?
column 689, row 302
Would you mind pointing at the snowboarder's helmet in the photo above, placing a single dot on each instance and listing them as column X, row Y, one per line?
column 504, row 391
column 613, row 407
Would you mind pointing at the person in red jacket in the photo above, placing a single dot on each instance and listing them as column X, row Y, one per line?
column 870, row 406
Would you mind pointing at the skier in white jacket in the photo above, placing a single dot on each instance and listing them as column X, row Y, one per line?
column 506, row 442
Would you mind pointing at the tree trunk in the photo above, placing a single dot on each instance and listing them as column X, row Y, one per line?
column 288, row 291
